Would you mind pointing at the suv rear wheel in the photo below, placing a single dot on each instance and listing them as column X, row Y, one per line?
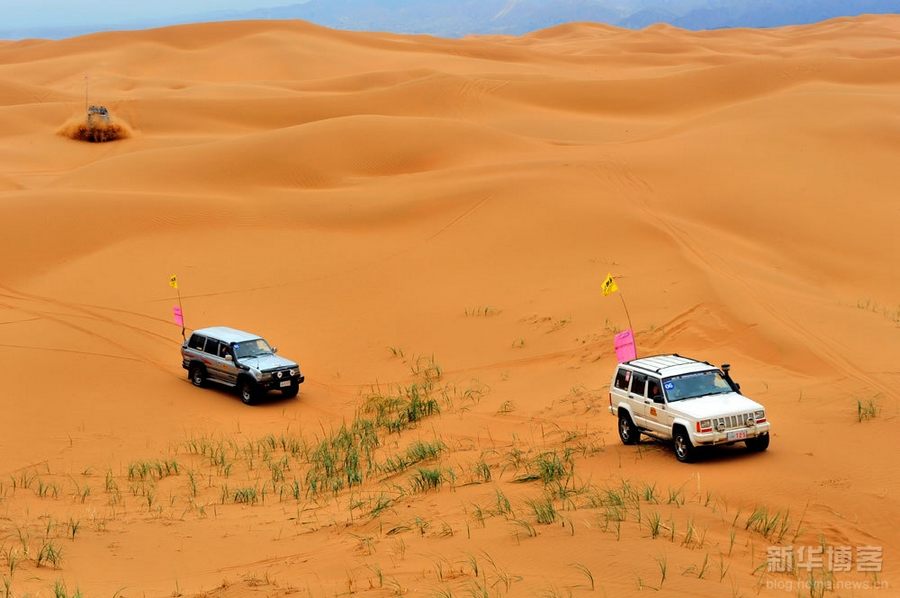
column 249, row 391
column 628, row 432
column 758, row 444
column 684, row 449
column 197, row 374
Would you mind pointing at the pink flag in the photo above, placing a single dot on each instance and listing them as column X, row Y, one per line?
column 625, row 347
column 179, row 317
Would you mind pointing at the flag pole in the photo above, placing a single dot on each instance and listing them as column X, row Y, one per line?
column 609, row 287
column 627, row 315
column 173, row 282
column 178, row 290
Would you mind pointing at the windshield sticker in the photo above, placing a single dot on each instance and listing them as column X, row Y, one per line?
column 669, row 385
column 695, row 375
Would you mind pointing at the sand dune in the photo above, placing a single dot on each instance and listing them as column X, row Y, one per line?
column 324, row 153
column 407, row 210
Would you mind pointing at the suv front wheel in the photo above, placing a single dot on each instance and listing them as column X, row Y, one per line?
column 684, row 448
column 249, row 391
column 628, row 432
column 758, row 444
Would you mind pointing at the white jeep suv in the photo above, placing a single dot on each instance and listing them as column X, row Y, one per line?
column 691, row 402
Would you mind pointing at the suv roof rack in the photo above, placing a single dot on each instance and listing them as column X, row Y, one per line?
column 657, row 363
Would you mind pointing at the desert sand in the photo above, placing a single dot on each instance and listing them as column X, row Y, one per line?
column 406, row 212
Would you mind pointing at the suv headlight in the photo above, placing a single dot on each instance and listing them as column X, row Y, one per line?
column 760, row 416
column 295, row 371
column 704, row 425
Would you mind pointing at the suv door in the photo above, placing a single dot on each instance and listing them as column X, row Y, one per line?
column 214, row 364
column 658, row 416
column 636, row 397
column 229, row 369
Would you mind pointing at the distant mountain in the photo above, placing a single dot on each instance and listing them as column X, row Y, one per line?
column 462, row 17
column 646, row 17
column 775, row 13
column 439, row 17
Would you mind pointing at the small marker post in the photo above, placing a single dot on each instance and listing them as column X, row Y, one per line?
column 609, row 287
column 173, row 282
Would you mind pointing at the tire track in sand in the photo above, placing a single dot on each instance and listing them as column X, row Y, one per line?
column 816, row 344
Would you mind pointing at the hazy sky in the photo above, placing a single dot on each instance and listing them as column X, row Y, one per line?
column 31, row 13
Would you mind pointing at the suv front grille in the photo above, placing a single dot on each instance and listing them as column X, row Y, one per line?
column 730, row 422
column 279, row 374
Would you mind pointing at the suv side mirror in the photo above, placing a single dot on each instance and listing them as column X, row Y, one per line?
column 274, row 349
column 658, row 399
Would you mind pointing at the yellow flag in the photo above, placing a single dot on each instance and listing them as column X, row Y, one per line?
column 609, row 286
column 173, row 281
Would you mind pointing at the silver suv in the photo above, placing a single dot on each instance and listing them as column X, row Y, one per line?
column 240, row 360
column 690, row 402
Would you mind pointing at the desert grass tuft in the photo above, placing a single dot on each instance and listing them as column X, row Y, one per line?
column 12, row 556
column 73, row 525
column 655, row 524
column 46, row 489
column 504, row 507
column 650, row 493
column 544, row 510
column 426, row 479
column 772, row 525
column 676, row 497
column 866, row 410
column 663, row 569
column 723, row 568
column 581, row 568
column 415, row 453
column 49, row 554
column 60, row 591
column 482, row 471
column 704, row 566
column 152, row 470
column 381, row 503
column 482, row 311
column 526, row 527
column 342, row 458
column 247, row 496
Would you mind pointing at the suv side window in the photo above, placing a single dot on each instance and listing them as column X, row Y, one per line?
column 224, row 350
column 623, row 377
column 654, row 390
column 212, row 347
column 196, row 342
column 638, row 384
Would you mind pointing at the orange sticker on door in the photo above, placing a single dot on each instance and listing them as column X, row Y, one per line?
column 653, row 411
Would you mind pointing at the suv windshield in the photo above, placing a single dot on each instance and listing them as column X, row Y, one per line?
column 251, row 348
column 700, row 384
